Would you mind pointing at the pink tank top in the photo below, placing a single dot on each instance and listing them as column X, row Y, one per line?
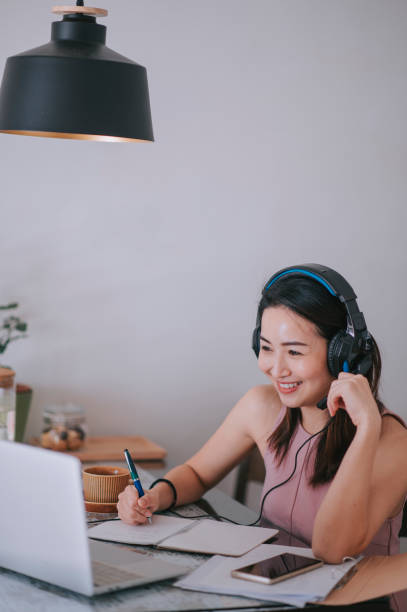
column 294, row 505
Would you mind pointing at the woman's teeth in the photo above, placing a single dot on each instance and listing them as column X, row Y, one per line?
column 288, row 387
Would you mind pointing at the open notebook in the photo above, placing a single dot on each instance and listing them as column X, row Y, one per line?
column 201, row 536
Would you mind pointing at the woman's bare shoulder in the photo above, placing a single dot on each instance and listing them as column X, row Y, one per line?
column 262, row 405
column 263, row 398
column 392, row 450
column 394, row 432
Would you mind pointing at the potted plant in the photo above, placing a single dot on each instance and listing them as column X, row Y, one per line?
column 13, row 328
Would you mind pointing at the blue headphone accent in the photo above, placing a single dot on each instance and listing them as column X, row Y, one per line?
column 297, row 270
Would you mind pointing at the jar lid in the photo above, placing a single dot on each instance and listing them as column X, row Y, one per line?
column 6, row 378
column 63, row 411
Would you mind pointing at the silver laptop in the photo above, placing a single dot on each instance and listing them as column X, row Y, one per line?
column 43, row 529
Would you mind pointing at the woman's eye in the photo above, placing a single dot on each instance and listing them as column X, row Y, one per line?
column 265, row 348
column 292, row 352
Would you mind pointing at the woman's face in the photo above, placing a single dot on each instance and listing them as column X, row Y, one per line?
column 294, row 356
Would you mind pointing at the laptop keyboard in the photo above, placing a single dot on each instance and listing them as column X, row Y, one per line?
column 105, row 575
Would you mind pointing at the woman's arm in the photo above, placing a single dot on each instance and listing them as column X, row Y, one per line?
column 223, row 451
column 371, row 482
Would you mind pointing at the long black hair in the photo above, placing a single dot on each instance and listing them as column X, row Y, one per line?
column 309, row 299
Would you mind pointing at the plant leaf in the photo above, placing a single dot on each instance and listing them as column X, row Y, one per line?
column 8, row 306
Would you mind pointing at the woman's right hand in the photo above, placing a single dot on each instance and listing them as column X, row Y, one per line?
column 135, row 510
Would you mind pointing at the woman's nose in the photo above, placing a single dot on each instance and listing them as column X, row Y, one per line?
column 274, row 365
column 278, row 367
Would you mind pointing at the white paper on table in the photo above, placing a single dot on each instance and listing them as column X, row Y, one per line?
column 213, row 537
column 214, row 576
column 161, row 527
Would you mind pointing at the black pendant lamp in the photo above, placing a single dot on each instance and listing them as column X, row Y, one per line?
column 75, row 86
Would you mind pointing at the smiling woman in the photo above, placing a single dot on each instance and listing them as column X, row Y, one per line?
column 301, row 309
column 321, row 412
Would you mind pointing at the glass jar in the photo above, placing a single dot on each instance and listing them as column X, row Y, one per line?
column 7, row 404
column 65, row 427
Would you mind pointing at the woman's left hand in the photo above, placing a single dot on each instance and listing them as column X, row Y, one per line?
column 352, row 393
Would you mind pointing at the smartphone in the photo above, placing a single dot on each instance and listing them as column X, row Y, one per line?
column 277, row 568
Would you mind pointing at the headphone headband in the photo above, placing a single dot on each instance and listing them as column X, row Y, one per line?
column 335, row 283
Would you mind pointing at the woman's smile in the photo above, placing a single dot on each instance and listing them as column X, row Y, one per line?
column 288, row 387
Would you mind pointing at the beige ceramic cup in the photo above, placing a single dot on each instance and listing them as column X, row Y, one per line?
column 103, row 483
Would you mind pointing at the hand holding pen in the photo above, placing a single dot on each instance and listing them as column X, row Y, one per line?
column 136, row 507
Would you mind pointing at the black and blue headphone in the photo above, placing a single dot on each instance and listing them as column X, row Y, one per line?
column 349, row 350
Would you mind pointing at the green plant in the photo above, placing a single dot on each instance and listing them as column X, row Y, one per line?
column 10, row 327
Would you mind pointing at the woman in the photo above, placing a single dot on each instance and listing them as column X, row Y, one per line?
column 348, row 490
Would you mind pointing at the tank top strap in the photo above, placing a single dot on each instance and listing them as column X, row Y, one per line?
column 395, row 416
column 280, row 417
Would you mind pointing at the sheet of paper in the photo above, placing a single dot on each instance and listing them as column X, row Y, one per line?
column 214, row 576
column 161, row 527
column 213, row 537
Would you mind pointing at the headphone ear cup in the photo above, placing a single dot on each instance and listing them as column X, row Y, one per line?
column 338, row 350
column 256, row 340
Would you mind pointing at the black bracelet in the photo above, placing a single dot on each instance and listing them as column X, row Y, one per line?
column 174, row 490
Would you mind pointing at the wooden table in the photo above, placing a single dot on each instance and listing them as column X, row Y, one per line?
column 20, row 593
column 110, row 448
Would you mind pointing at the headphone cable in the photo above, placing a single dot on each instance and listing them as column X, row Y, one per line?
column 224, row 518
column 229, row 520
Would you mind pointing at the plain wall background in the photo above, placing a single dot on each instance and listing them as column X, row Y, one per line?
column 280, row 139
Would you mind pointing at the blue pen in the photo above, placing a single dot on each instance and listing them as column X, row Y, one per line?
column 135, row 476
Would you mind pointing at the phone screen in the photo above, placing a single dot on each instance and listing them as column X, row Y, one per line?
column 279, row 566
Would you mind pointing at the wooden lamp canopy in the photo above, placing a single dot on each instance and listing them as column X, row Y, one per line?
column 79, row 9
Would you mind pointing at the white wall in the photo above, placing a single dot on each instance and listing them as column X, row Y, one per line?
column 280, row 139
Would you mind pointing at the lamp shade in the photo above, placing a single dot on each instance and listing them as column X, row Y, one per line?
column 75, row 87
